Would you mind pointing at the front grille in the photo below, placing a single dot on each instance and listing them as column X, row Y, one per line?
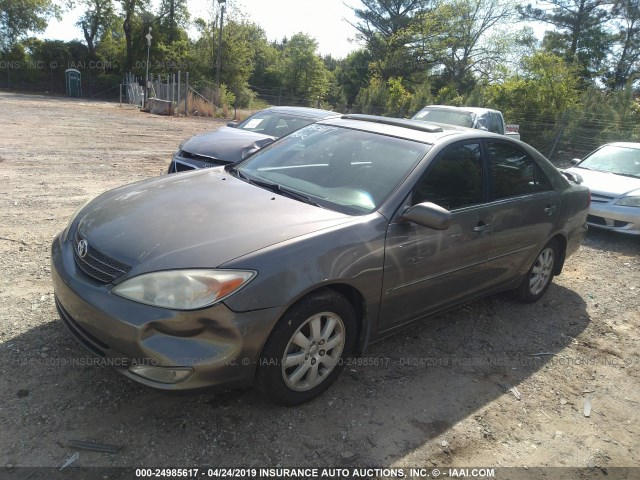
column 87, row 340
column 182, row 167
column 97, row 265
column 196, row 156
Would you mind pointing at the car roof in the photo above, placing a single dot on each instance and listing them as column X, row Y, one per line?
column 418, row 130
column 476, row 110
column 304, row 111
column 624, row 144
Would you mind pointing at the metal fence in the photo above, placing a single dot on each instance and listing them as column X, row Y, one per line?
column 133, row 90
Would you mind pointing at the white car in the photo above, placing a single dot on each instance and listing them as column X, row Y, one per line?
column 612, row 173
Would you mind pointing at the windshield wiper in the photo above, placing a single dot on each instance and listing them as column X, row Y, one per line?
column 297, row 196
column 274, row 187
column 277, row 188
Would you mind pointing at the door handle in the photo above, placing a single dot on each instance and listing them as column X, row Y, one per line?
column 550, row 209
column 481, row 227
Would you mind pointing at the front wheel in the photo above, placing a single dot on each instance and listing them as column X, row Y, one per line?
column 304, row 353
column 540, row 274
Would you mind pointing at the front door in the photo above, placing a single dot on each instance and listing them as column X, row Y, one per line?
column 427, row 269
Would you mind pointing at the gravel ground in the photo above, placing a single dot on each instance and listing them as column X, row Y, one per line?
column 493, row 384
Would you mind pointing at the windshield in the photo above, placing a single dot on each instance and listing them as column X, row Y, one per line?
column 442, row 115
column 274, row 124
column 339, row 168
column 614, row 159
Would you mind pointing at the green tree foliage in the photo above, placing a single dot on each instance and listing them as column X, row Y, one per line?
column 625, row 59
column 546, row 86
column 99, row 17
column 465, row 39
column 388, row 29
column 352, row 74
column 173, row 18
column 579, row 31
column 538, row 98
column 18, row 18
column 304, row 75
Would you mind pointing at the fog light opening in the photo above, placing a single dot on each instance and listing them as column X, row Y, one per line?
column 162, row 374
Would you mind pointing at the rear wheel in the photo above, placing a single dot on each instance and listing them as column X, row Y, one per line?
column 539, row 276
column 304, row 353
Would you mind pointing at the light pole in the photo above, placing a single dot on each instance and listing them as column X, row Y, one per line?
column 219, row 58
column 146, row 94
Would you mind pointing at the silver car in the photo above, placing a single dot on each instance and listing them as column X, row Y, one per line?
column 612, row 173
column 274, row 270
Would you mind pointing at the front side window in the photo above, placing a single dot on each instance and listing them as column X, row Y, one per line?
column 513, row 172
column 454, row 180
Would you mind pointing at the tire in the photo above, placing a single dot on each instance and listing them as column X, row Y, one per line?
column 294, row 367
column 540, row 275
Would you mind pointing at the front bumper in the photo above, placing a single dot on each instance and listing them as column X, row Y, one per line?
column 614, row 217
column 217, row 345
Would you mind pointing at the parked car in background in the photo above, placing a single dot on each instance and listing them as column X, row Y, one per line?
column 339, row 234
column 470, row 117
column 234, row 142
column 612, row 173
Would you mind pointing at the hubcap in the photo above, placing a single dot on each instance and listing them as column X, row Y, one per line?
column 305, row 365
column 541, row 272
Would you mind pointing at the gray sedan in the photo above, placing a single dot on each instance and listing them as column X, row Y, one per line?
column 273, row 271
column 236, row 141
column 612, row 173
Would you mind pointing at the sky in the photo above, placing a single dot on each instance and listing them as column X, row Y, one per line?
column 322, row 19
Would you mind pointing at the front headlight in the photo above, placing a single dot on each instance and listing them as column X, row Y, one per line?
column 630, row 201
column 183, row 289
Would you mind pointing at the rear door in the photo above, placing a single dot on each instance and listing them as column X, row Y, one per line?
column 525, row 208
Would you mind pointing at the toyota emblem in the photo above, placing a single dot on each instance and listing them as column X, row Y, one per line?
column 82, row 248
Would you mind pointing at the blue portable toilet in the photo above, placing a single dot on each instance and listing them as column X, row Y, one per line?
column 72, row 82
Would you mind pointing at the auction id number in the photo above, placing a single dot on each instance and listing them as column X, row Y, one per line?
column 196, row 472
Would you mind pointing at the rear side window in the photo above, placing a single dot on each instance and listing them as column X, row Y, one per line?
column 513, row 172
column 497, row 124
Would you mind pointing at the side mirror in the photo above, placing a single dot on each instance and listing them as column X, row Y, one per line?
column 232, row 124
column 572, row 176
column 428, row 215
column 575, row 161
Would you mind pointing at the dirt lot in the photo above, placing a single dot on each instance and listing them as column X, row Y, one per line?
column 433, row 396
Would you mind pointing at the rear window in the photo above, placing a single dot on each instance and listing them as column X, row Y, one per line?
column 441, row 115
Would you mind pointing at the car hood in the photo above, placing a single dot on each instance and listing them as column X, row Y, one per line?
column 610, row 184
column 200, row 219
column 226, row 143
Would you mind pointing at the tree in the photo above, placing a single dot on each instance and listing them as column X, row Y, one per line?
column 19, row 18
column 128, row 9
column 580, row 34
column 98, row 18
column 173, row 17
column 353, row 73
column 625, row 65
column 304, row 75
column 462, row 36
column 388, row 29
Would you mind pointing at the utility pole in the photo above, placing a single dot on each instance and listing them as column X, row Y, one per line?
column 146, row 80
column 219, row 58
